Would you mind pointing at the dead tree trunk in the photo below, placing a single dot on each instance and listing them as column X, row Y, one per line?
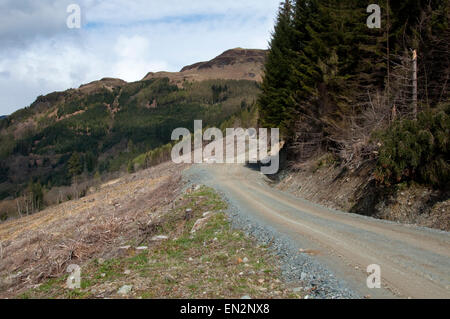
column 19, row 210
column 414, row 76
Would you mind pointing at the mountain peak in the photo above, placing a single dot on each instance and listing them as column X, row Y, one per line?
column 231, row 57
column 233, row 64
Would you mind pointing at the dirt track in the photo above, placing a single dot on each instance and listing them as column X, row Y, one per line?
column 415, row 262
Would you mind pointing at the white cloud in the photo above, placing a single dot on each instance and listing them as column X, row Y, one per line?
column 124, row 39
column 132, row 63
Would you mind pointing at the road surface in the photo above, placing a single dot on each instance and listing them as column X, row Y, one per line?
column 415, row 262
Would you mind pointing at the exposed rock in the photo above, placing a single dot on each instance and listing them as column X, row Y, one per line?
column 125, row 290
column 303, row 276
column 189, row 214
column 199, row 224
column 206, row 214
column 159, row 238
column 170, row 279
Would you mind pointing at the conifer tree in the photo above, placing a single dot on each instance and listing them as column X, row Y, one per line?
column 75, row 166
column 274, row 100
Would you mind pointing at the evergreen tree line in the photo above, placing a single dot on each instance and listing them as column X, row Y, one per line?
column 323, row 58
column 326, row 68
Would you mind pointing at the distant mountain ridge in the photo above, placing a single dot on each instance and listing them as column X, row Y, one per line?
column 234, row 64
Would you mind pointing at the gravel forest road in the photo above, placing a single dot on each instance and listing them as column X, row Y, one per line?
column 415, row 262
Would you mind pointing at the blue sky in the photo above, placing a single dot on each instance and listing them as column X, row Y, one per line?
column 119, row 38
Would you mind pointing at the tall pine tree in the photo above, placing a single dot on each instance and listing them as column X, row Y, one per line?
column 275, row 98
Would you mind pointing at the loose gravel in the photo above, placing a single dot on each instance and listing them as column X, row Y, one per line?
column 300, row 270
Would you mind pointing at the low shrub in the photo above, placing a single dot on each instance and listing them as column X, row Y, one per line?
column 416, row 150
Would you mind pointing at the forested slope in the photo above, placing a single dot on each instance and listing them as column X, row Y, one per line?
column 332, row 84
column 104, row 125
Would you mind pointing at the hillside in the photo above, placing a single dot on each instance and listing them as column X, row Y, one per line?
column 101, row 126
column 134, row 237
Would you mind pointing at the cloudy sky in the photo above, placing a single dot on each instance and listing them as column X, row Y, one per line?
column 39, row 54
